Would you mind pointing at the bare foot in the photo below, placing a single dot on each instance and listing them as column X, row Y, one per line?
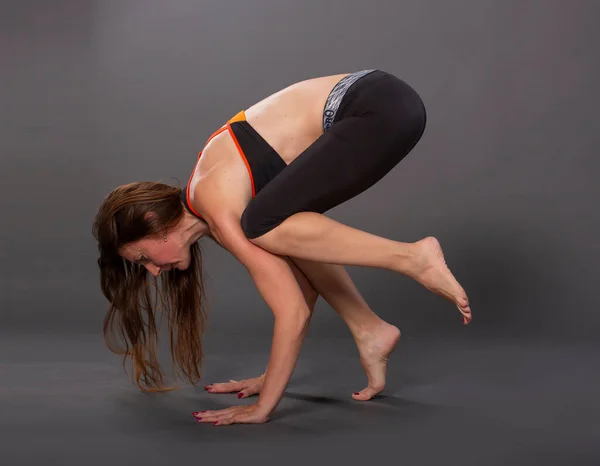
column 432, row 272
column 374, row 349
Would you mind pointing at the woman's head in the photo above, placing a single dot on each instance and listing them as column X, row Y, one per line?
column 143, row 231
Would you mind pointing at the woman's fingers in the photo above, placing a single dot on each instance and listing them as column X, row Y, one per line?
column 234, row 415
column 225, row 387
column 216, row 415
column 253, row 390
column 247, row 387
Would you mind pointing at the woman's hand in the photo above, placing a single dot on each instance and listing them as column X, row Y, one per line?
column 250, row 414
column 245, row 388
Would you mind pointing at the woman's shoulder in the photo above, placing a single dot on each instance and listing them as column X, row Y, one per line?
column 220, row 186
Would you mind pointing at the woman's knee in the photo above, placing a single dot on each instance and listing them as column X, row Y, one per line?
column 250, row 222
column 256, row 223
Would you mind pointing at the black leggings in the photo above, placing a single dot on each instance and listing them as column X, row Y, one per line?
column 379, row 121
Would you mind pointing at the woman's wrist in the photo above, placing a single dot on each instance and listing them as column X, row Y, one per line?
column 287, row 340
column 266, row 405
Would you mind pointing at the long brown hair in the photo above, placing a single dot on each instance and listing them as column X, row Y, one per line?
column 128, row 286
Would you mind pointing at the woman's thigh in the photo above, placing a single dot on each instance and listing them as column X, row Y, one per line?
column 345, row 161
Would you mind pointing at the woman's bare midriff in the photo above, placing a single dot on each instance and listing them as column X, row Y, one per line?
column 289, row 120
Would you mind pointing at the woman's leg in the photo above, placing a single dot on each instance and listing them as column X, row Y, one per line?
column 286, row 217
column 315, row 237
column 374, row 338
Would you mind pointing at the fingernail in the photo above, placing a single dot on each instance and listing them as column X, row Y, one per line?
column 240, row 395
column 357, row 393
column 215, row 423
column 198, row 418
column 194, row 413
column 203, row 411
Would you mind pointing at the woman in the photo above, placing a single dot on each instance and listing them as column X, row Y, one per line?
column 259, row 189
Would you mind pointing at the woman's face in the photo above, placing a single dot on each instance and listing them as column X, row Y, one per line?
column 157, row 255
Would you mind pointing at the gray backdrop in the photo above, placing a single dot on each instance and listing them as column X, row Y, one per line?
column 95, row 94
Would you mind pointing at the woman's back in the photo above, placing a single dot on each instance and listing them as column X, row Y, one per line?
column 288, row 121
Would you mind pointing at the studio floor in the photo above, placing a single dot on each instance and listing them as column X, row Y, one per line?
column 65, row 400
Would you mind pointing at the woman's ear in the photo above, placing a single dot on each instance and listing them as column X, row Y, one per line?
column 150, row 216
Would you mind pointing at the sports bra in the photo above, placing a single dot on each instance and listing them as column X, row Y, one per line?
column 262, row 161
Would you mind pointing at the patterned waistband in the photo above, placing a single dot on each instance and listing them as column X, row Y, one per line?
column 337, row 94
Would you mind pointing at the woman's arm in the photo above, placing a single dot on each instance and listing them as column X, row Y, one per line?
column 279, row 288
column 253, row 386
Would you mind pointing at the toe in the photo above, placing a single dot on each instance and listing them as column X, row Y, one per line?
column 462, row 300
column 360, row 396
column 365, row 394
